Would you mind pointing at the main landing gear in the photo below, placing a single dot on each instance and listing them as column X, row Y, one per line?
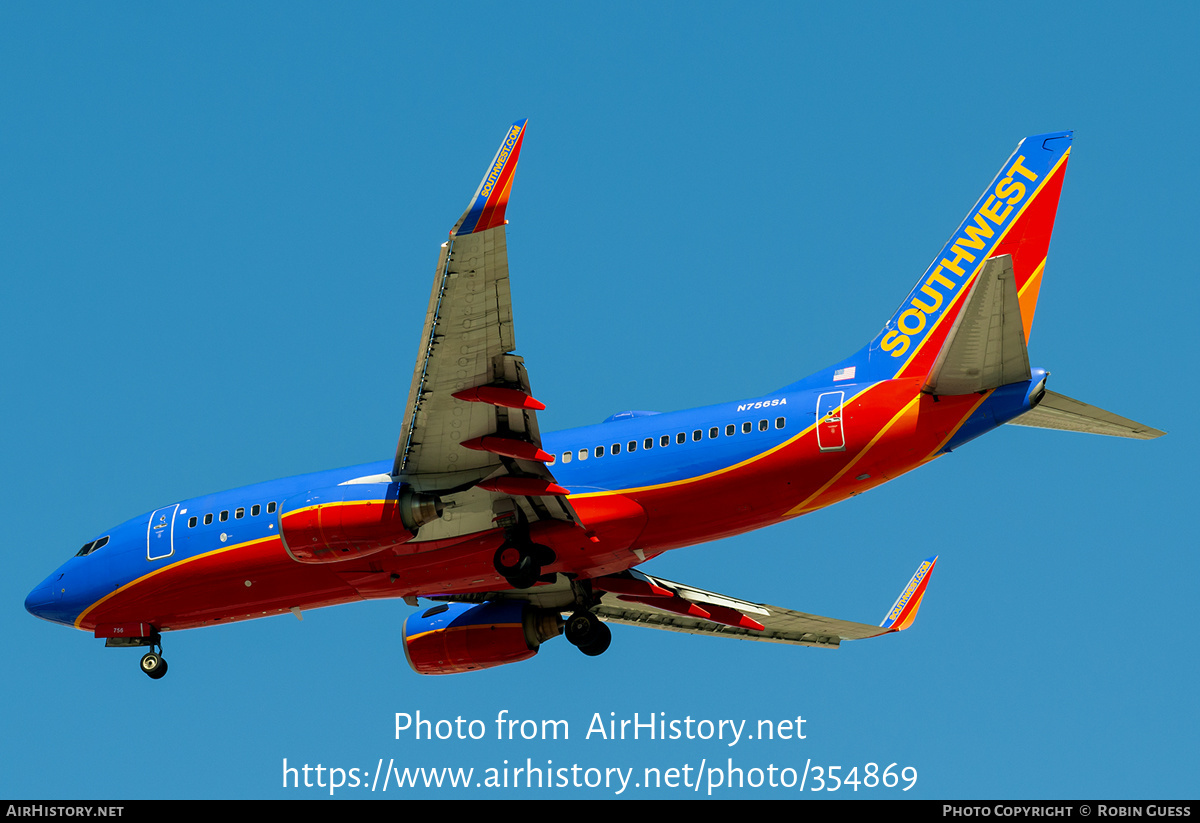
column 520, row 562
column 587, row 633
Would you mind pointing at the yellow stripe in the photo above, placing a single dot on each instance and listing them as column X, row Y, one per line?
column 967, row 284
column 719, row 472
column 961, row 423
column 895, row 418
column 130, row 584
column 1032, row 278
column 461, row 628
column 328, row 504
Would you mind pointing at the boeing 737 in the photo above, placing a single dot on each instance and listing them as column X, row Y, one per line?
column 517, row 536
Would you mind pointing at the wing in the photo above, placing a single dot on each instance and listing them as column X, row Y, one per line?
column 638, row 599
column 641, row 600
column 470, row 430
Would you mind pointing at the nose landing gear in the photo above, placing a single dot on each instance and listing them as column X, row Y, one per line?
column 124, row 635
column 154, row 665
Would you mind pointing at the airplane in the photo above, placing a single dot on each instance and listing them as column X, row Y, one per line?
column 518, row 537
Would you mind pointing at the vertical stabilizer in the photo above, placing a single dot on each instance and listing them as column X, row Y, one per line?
column 1014, row 216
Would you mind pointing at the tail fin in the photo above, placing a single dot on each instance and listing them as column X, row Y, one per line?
column 1014, row 216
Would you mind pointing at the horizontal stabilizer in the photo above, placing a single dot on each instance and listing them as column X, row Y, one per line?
column 985, row 348
column 1057, row 411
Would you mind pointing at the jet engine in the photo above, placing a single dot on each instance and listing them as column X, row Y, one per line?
column 459, row 637
column 353, row 521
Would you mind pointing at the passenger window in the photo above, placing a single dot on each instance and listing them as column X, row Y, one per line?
column 240, row 513
column 631, row 446
column 649, row 443
column 567, row 457
column 780, row 422
column 550, row 462
column 208, row 518
column 255, row 509
column 599, row 451
column 762, row 425
column 192, row 522
column 730, row 429
column 746, row 427
column 665, row 440
column 224, row 515
column 713, row 432
column 271, row 507
column 697, row 435
column 681, row 438
column 583, row 454
column 616, row 448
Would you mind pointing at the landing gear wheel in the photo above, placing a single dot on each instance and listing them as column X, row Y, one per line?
column 154, row 666
column 600, row 643
column 525, row 580
column 517, row 565
column 582, row 628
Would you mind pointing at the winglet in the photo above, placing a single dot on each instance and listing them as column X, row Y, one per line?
column 904, row 610
column 486, row 210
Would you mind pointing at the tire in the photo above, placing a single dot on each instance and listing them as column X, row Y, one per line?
column 582, row 628
column 516, row 564
column 600, row 642
column 512, row 560
column 152, row 663
column 526, row 579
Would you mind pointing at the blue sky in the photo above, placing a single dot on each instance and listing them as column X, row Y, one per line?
column 218, row 230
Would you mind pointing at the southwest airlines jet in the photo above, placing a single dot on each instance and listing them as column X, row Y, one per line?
column 517, row 536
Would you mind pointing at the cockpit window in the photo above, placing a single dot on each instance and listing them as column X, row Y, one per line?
column 88, row 548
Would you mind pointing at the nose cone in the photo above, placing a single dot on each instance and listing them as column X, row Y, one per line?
column 46, row 600
column 43, row 595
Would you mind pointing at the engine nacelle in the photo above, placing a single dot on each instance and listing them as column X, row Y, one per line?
column 459, row 637
column 352, row 521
